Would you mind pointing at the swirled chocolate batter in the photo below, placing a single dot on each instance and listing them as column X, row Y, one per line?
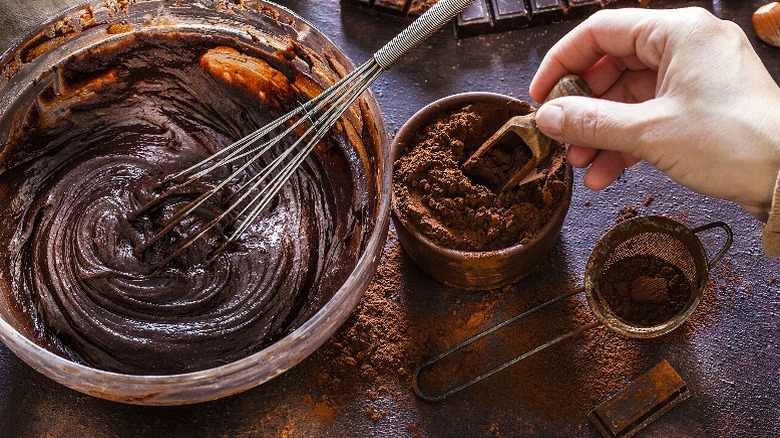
column 99, row 135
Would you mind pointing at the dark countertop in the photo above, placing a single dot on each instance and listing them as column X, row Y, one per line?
column 359, row 384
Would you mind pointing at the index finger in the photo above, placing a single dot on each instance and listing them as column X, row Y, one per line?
column 607, row 32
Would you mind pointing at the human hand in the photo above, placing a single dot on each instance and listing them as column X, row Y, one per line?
column 680, row 89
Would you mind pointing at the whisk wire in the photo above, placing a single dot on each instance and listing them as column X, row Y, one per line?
column 317, row 128
column 235, row 151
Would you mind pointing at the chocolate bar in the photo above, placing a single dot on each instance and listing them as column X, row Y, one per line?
column 547, row 10
column 474, row 20
column 510, row 14
column 641, row 402
column 580, row 8
column 487, row 16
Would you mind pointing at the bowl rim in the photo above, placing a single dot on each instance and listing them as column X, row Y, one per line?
column 242, row 374
column 418, row 121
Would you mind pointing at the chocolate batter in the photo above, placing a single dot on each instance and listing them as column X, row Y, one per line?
column 97, row 138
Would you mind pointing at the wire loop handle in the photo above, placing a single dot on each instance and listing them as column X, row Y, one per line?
column 726, row 245
column 427, row 364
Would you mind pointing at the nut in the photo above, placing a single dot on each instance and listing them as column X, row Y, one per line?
column 766, row 23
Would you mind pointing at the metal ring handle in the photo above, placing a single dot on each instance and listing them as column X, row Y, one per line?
column 478, row 336
column 423, row 27
column 729, row 239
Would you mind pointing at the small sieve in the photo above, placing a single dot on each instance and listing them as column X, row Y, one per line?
column 652, row 243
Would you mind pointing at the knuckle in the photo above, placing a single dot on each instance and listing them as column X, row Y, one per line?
column 698, row 13
column 600, row 15
column 735, row 34
column 707, row 25
column 732, row 26
column 590, row 124
column 698, row 17
column 699, row 21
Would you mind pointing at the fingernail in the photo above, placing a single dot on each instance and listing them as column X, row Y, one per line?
column 549, row 119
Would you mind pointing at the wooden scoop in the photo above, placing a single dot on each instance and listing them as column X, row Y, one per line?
column 524, row 127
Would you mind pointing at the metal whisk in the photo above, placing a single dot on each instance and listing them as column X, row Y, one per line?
column 318, row 115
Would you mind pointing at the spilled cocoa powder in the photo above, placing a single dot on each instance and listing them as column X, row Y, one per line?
column 374, row 341
column 464, row 211
column 627, row 212
column 372, row 354
column 645, row 290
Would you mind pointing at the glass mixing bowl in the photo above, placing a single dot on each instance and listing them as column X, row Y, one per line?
column 256, row 22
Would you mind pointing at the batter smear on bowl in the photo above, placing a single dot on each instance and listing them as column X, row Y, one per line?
column 90, row 145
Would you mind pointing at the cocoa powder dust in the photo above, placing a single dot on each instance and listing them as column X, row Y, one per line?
column 463, row 210
column 645, row 290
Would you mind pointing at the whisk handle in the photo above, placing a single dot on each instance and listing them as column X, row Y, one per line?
column 423, row 27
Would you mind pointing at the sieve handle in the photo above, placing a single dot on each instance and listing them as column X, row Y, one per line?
column 726, row 245
column 448, row 392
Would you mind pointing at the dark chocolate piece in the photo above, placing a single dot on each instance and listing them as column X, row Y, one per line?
column 488, row 16
column 474, row 20
column 547, row 10
column 363, row 3
column 637, row 405
column 581, row 8
column 510, row 14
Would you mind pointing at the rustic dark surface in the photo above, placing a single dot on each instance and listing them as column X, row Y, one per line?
column 728, row 353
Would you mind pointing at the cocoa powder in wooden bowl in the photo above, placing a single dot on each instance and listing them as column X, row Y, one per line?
column 456, row 225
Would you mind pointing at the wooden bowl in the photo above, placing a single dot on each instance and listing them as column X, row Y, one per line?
column 475, row 270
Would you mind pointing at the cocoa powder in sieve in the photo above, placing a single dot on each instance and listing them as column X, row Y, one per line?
column 645, row 290
column 460, row 210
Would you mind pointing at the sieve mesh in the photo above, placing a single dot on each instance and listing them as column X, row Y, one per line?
column 657, row 244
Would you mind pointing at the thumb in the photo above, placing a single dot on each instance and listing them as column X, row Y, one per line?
column 591, row 122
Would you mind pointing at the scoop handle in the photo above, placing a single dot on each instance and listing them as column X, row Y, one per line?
column 540, row 146
column 570, row 85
